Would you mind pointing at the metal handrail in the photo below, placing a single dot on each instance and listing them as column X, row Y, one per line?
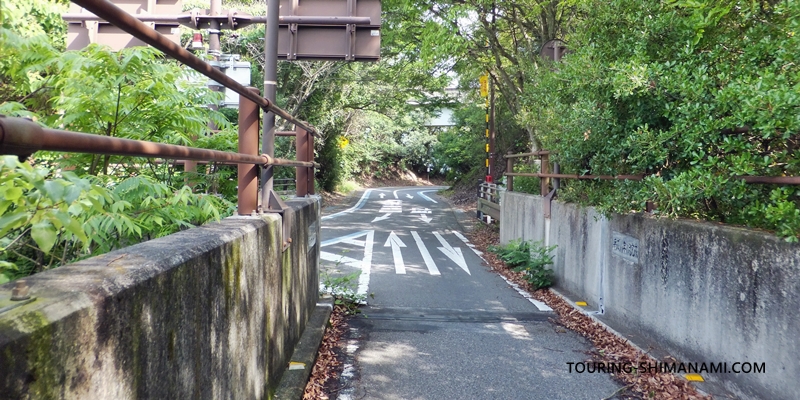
column 773, row 180
column 535, row 153
column 137, row 28
column 580, row 177
column 23, row 137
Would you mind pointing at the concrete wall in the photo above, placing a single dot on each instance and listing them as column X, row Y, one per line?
column 703, row 291
column 213, row 311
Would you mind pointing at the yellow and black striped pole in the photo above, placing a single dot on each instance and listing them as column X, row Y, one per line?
column 485, row 93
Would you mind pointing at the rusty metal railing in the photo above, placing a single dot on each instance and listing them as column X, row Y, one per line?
column 23, row 137
column 545, row 175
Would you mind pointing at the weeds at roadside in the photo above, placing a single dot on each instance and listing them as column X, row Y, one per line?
column 343, row 288
column 530, row 258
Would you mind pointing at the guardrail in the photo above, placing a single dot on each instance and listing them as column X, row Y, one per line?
column 545, row 175
column 23, row 137
column 488, row 201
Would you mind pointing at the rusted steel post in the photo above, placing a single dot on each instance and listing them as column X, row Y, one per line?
column 544, row 169
column 509, row 169
column 311, row 171
column 301, row 177
column 556, row 181
column 248, row 144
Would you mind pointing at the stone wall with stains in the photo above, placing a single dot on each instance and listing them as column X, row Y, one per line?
column 704, row 292
column 210, row 312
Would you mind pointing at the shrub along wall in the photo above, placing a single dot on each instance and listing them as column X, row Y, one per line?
column 690, row 93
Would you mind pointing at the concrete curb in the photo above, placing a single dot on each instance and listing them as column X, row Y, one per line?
column 295, row 378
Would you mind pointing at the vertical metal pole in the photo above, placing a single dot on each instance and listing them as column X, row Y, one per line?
column 301, row 176
column 311, row 171
column 488, row 164
column 556, row 181
column 270, row 88
column 510, row 169
column 492, row 148
column 214, row 51
column 545, row 169
column 248, row 144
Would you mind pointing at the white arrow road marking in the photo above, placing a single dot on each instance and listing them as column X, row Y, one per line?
column 386, row 216
column 382, row 195
column 453, row 253
column 409, row 196
column 395, row 194
column 340, row 259
column 422, row 194
column 358, row 205
column 391, row 206
column 425, row 254
column 365, row 264
column 541, row 306
column 426, row 219
column 416, row 210
column 396, row 244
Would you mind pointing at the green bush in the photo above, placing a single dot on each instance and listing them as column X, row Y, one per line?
column 529, row 258
column 691, row 94
column 48, row 220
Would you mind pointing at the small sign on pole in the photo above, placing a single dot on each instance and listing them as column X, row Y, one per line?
column 484, row 79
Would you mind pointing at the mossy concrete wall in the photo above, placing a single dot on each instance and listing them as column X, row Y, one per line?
column 211, row 312
column 704, row 292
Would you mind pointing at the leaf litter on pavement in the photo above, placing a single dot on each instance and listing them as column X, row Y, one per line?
column 610, row 348
column 323, row 383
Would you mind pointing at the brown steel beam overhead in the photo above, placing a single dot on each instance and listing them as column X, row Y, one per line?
column 240, row 20
column 22, row 137
column 141, row 31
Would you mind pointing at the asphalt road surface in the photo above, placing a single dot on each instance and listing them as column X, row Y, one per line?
column 438, row 323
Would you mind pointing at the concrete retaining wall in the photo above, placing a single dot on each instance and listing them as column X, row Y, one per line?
column 211, row 312
column 704, row 292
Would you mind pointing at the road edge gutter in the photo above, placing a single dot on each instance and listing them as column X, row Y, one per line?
column 294, row 379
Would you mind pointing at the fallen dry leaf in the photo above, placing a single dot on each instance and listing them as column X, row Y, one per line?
column 608, row 347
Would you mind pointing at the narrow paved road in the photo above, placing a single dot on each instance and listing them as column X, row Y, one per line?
column 439, row 324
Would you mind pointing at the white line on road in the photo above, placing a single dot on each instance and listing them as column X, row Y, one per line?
column 425, row 254
column 470, row 245
column 395, row 193
column 346, row 239
column 395, row 243
column 409, row 196
column 358, row 205
column 422, row 194
column 366, row 264
column 452, row 253
column 541, row 306
column 391, row 206
column 426, row 219
column 340, row 259
column 382, row 195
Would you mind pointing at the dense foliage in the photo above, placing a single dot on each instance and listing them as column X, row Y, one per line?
column 691, row 94
column 55, row 209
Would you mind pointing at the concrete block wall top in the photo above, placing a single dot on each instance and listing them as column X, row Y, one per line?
column 213, row 311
